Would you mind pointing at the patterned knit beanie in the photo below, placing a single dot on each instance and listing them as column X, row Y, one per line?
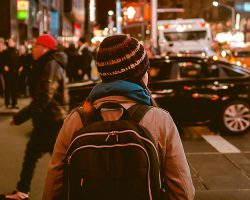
column 121, row 57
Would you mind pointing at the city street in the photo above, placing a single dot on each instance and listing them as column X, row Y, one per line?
column 220, row 166
column 191, row 57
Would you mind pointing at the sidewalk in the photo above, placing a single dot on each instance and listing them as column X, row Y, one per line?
column 22, row 102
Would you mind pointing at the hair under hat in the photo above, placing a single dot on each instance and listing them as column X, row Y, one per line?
column 121, row 57
column 47, row 40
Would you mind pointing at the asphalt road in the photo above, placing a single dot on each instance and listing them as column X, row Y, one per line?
column 220, row 166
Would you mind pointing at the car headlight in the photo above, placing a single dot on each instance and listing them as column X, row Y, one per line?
column 238, row 63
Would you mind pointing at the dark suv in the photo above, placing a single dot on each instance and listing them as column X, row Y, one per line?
column 196, row 90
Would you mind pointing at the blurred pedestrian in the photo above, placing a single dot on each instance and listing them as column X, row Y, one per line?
column 47, row 110
column 84, row 59
column 71, row 69
column 23, row 70
column 94, row 47
column 148, row 48
column 1, row 66
column 10, row 74
column 122, row 63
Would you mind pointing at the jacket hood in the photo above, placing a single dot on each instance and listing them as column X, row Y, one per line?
column 61, row 58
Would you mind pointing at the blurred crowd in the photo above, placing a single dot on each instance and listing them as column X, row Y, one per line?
column 16, row 64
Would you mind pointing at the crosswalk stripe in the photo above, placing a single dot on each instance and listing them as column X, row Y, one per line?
column 220, row 144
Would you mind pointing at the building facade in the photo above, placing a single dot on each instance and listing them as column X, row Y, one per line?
column 26, row 19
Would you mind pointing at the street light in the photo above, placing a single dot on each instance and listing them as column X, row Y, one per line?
column 216, row 4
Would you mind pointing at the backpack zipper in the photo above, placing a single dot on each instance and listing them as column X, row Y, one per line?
column 112, row 133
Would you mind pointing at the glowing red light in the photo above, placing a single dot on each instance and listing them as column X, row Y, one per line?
column 185, row 87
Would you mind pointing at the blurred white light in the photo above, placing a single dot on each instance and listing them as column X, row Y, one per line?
column 223, row 53
column 203, row 54
column 180, row 28
column 161, row 28
column 92, row 10
column 131, row 12
column 238, row 63
column 120, row 19
column 147, row 32
column 223, row 37
column 215, row 3
column 110, row 12
column 97, row 39
column 237, row 24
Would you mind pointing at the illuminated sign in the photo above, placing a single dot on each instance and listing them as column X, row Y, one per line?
column 22, row 5
column 247, row 7
column 243, row 7
column 22, row 10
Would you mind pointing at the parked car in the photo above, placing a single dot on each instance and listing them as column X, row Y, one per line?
column 195, row 90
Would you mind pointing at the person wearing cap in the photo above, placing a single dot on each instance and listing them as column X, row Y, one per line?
column 47, row 109
column 122, row 63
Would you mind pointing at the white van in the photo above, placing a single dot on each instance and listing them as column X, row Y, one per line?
column 188, row 36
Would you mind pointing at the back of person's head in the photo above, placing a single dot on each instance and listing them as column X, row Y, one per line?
column 121, row 57
column 47, row 41
column 82, row 40
column 43, row 44
column 11, row 42
column 22, row 50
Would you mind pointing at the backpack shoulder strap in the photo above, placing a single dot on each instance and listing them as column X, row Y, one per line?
column 138, row 111
column 81, row 113
column 87, row 117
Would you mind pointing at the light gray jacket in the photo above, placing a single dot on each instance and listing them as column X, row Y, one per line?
column 176, row 171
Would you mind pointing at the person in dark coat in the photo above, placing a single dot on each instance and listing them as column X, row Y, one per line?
column 47, row 109
column 25, row 63
column 10, row 74
column 84, row 59
column 71, row 69
column 1, row 66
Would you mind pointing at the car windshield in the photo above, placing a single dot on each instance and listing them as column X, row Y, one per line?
column 189, row 69
column 181, row 36
column 242, row 54
column 160, row 71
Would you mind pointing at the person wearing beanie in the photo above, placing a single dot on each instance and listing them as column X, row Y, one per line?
column 122, row 63
column 47, row 109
